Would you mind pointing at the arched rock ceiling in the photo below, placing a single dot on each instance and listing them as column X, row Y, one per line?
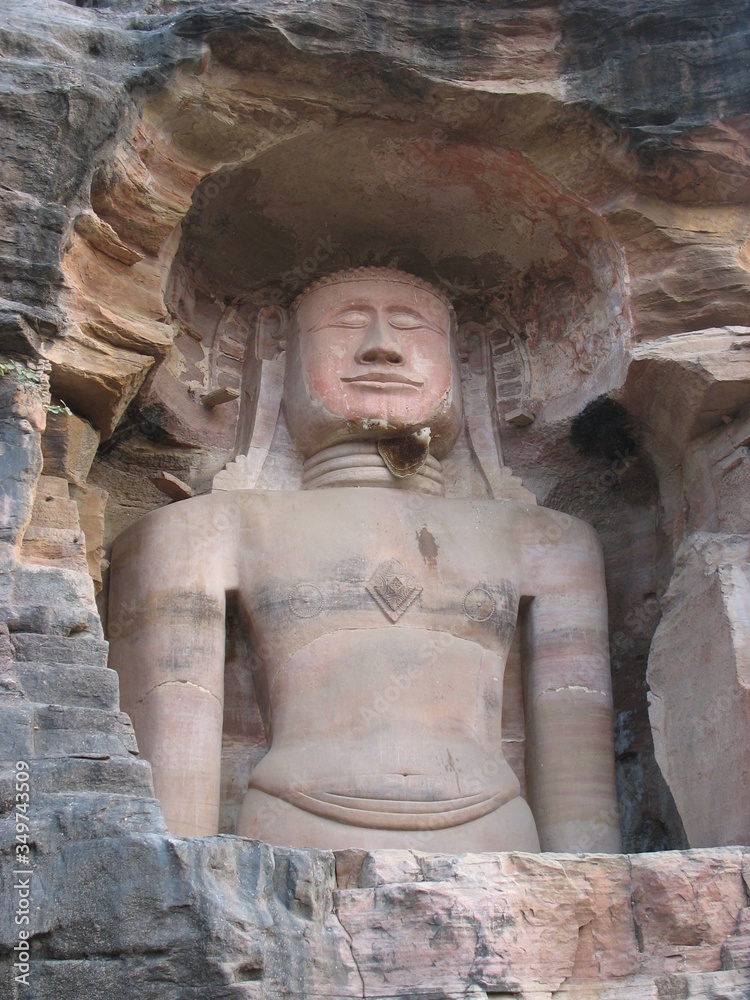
column 479, row 220
column 250, row 159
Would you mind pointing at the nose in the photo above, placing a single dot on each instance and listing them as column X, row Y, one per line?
column 379, row 346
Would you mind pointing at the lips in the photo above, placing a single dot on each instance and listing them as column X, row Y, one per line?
column 383, row 379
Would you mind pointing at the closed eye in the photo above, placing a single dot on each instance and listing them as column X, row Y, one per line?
column 352, row 319
column 410, row 321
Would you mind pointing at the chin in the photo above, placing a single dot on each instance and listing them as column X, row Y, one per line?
column 444, row 427
column 314, row 426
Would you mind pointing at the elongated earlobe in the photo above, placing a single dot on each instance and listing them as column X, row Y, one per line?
column 270, row 333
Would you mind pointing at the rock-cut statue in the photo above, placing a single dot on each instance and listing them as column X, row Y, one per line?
column 370, row 580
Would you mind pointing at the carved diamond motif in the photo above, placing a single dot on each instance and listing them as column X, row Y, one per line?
column 393, row 589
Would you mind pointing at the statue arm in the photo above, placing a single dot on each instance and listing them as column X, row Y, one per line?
column 568, row 698
column 169, row 578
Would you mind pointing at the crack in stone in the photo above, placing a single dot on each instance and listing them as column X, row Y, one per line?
column 350, row 939
column 192, row 684
column 637, row 930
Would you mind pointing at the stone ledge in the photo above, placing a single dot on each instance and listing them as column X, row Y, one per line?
column 68, row 732
column 52, row 649
column 519, row 921
column 69, row 685
column 122, row 775
column 230, row 917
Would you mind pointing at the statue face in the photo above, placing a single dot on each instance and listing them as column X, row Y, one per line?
column 371, row 358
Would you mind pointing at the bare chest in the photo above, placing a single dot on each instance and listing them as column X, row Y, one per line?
column 356, row 563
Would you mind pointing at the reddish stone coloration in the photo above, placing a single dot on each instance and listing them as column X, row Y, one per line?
column 371, row 356
column 574, row 177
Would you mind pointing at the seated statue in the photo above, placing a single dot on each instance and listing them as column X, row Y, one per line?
column 366, row 578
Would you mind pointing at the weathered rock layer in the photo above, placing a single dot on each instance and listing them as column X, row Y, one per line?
column 576, row 176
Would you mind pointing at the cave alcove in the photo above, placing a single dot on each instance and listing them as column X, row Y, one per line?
column 539, row 285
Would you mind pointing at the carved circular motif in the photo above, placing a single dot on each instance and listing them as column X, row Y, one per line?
column 479, row 604
column 305, row 601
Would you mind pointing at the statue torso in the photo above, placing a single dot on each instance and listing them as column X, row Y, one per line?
column 380, row 623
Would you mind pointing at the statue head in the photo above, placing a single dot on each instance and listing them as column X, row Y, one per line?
column 370, row 355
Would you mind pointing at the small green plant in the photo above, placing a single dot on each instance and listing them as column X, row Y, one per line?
column 36, row 377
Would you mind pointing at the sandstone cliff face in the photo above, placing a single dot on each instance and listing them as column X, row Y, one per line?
column 577, row 177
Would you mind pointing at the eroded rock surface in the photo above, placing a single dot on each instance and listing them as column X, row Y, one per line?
column 618, row 135
column 142, row 914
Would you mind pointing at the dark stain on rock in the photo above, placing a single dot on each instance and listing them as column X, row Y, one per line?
column 604, row 428
column 427, row 547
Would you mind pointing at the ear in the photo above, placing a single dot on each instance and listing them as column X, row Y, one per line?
column 270, row 332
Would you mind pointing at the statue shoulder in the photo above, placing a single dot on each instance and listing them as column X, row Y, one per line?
column 558, row 525
column 203, row 526
column 180, row 514
column 543, row 527
column 556, row 552
column 190, row 541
